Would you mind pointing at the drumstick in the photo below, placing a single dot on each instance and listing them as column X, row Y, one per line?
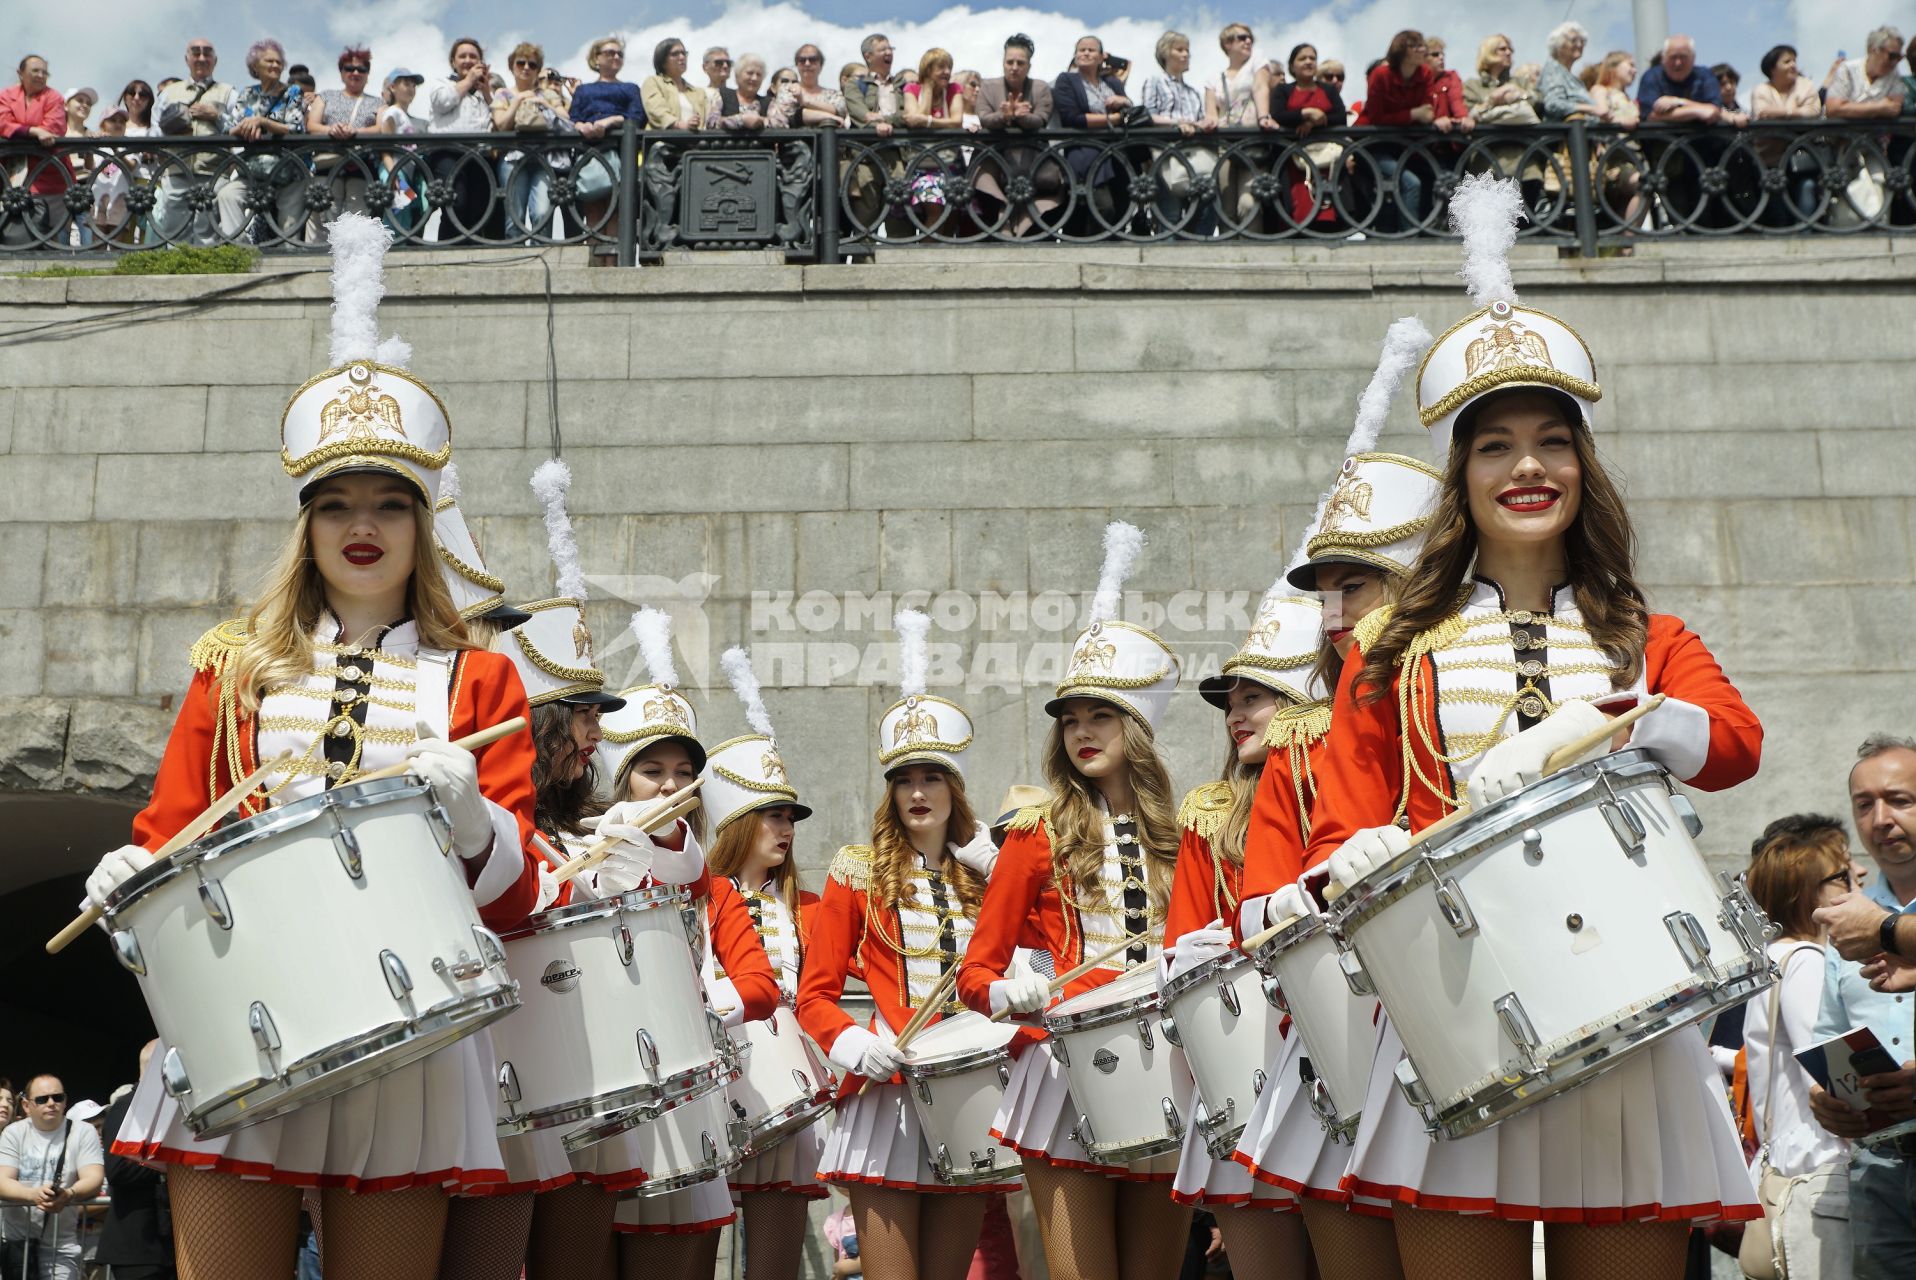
column 1072, row 975
column 923, row 1014
column 471, row 742
column 185, row 836
column 1562, row 758
column 670, row 809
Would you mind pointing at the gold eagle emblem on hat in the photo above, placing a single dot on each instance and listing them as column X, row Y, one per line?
column 1094, row 657
column 581, row 639
column 774, row 769
column 1350, row 497
column 360, row 413
column 1503, row 346
column 1264, row 634
column 916, row 725
column 661, row 709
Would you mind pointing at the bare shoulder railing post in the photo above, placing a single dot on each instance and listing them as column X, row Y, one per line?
column 1583, row 194
column 827, row 205
column 628, row 194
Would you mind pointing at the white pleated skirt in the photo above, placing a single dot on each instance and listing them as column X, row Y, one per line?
column 429, row 1123
column 876, row 1141
column 535, row 1162
column 1035, row 1120
column 616, row 1164
column 1213, row 1183
column 1284, row 1145
column 791, row 1166
column 1650, row 1140
column 704, row 1206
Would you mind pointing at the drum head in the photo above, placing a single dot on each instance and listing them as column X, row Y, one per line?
column 1141, row 981
column 965, row 1032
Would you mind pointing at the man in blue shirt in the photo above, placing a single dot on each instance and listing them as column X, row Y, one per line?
column 1678, row 91
column 1883, row 1181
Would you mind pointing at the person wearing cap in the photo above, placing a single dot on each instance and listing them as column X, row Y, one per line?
column 899, row 912
column 1521, row 617
column 402, row 86
column 352, row 659
column 1088, row 870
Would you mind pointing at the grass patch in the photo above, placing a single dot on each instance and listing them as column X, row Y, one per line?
column 178, row 260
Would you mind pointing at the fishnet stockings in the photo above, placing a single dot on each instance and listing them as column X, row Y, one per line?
column 572, row 1235
column 1262, row 1241
column 1097, row 1228
column 647, row 1256
column 774, row 1227
column 485, row 1237
column 227, row 1229
column 391, row 1235
column 1351, row 1246
column 903, row 1235
column 1443, row 1246
column 1623, row 1251
column 1153, row 1232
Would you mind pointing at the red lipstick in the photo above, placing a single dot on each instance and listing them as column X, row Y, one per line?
column 363, row 553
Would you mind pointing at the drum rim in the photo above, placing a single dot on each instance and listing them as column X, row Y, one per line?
column 953, row 1064
column 783, row 1123
column 707, row 1079
column 1300, row 929
column 678, row 1088
column 556, row 919
column 1146, row 1004
column 275, row 821
column 1206, row 972
column 1148, row 990
column 993, row 1176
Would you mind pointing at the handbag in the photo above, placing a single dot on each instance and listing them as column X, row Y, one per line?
column 1759, row 1255
column 531, row 115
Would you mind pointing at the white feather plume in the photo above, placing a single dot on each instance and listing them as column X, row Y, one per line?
column 550, row 483
column 395, row 351
column 449, row 481
column 653, row 629
column 737, row 665
column 1122, row 545
column 359, row 245
column 914, row 650
column 1484, row 212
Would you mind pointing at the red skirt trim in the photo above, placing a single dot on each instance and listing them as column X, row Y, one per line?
column 1589, row 1216
column 459, row 1181
column 678, row 1229
column 849, row 1179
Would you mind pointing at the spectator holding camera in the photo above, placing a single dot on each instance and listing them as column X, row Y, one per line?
column 48, row 1165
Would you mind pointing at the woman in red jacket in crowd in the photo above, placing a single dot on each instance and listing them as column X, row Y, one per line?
column 1398, row 94
column 1522, row 615
column 898, row 913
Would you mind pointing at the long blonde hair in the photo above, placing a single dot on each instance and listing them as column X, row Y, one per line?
column 1077, row 823
column 733, row 848
column 622, row 786
column 279, row 626
column 894, row 858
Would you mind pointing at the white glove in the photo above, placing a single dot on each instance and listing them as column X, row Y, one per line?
column 858, row 1050
column 1366, row 851
column 1199, row 946
column 1020, row 992
column 548, row 889
column 725, row 1001
column 981, row 855
column 1288, row 903
column 454, row 775
column 1518, row 761
column 115, row 870
column 642, row 853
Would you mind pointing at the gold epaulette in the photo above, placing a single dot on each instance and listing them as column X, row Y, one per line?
column 852, row 867
column 1365, row 633
column 1205, row 809
column 1030, row 818
column 1303, row 725
column 212, row 651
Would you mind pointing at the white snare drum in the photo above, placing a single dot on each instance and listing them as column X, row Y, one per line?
column 1222, row 1013
column 694, row 1142
column 614, row 1014
column 1119, row 1067
column 783, row 1087
column 956, row 1071
column 1536, row 943
column 307, row 950
column 1333, row 1010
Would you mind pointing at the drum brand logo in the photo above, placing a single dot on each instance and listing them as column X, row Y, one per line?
column 1105, row 1061
column 560, row 975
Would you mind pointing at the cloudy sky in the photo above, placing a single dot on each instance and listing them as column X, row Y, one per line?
column 122, row 39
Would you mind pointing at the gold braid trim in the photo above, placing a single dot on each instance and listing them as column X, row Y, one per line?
column 1526, row 374
column 1299, row 726
column 1372, row 625
column 1113, row 682
column 216, row 647
column 1033, row 817
column 753, row 784
column 557, row 671
column 1337, row 539
column 852, row 867
column 1205, row 809
column 471, row 573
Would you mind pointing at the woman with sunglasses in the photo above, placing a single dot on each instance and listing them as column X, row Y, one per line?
column 343, row 114
column 671, row 101
column 818, row 105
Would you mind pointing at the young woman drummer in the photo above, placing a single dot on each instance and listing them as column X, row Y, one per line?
column 1090, row 869
column 1366, row 534
column 353, row 658
column 650, row 751
column 898, row 913
column 1522, row 612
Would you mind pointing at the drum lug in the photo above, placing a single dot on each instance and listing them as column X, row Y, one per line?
column 1411, row 1085
column 771, row 1025
column 1517, row 1025
column 1624, row 823
column 1171, row 1117
column 648, row 1051
column 1686, row 811
column 265, row 1034
column 1058, row 1051
column 624, row 944
column 1741, row 916
column 492, row 949
column 441, row 823
column 1354, row 975
column 460, row 970
column 1456, row 908
column 941, row 1162
column 213, row 898
column 804, row 1084
column 1692, row 943
column 398, row 981
column 1004, row 1075
column 708, row 1147
column 126, row 949
column 346, row 846
column 1274, row 994
column 740, row 1133
column 1169, row 1026
column 173, row 1074
column 1228, row 994
column 1258, row 1080
column 509, row 1091
column 1082, row 1131
column 1144, row 1033
column 923, row 1088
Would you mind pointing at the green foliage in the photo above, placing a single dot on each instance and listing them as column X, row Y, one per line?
column 179, row 260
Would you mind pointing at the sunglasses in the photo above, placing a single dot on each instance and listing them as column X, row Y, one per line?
column 42, row 1099
column 199, row 48
column 1242, row 35
column 526, row 62
column 1333, row 75
column 721, row 62
column 352, row 68
column 808, row 61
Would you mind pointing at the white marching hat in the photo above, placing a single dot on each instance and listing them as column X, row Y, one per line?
column 1503, row 344
column 920, row 728
column 652, row 712
column 1280, row 653
column 553, row 648
column 1113, row 660
column 747, row 773
column 475, row 592
column 1376, row 515
column 366, row 413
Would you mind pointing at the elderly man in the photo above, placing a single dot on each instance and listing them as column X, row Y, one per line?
column 876, row 100
column 1680, row 91
column 1862, row 925
column 717, row 64
column 48, row 1165
column 1868, row 88
column 194, row 107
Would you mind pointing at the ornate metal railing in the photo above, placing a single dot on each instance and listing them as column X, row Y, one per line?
column 818, row 194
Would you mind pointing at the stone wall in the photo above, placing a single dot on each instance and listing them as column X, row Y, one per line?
column 957, row 423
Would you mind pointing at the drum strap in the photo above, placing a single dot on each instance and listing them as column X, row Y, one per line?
column 432, row 691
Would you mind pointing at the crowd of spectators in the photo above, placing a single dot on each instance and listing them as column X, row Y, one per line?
column 1414, row 86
